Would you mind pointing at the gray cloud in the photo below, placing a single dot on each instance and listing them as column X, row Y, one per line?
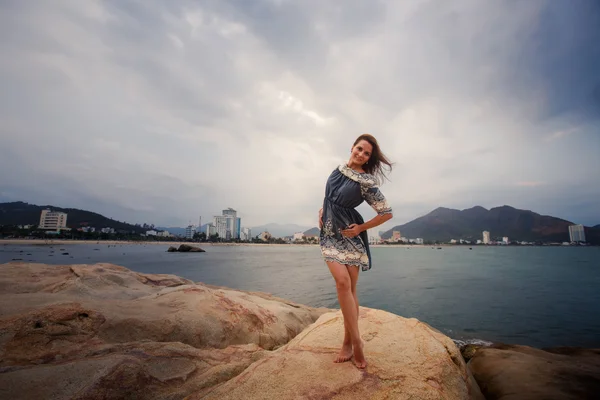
column 162, row 111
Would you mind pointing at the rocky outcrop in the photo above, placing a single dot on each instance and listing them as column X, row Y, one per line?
column 185, row 248
column 139, row 370
column 407, row 360
column 102, row 331
column 507, row 372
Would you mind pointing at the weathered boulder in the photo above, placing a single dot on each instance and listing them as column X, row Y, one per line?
column 117, row 305
column 407, row 360
column 103, row 331
column 512, row 372
column 186, row 248
column 172, row 249
column 139, row 370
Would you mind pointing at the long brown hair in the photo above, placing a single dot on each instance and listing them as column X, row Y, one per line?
column 377, row 160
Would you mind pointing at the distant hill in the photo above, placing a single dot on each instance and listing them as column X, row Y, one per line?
column 443, row 224
column 592, row 235
column 596, row 226
column 279, row 230
column 312, row 231
column 20, row 213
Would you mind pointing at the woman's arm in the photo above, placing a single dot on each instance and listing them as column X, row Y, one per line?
column 376, row 221
column 355, row 229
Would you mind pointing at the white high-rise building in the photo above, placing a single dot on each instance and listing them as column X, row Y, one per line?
column 220, row 222
column 211, row 229
column 486, row 237
column 228, row 225
column 246, row 234
column 230, row 211
column 577, row 233
column 53, row 220
column 190, row 230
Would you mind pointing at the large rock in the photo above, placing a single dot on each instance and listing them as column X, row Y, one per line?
column 407, row 360
column 186, row 248
column 512, row 372
column 139, row 370
column 103, row 331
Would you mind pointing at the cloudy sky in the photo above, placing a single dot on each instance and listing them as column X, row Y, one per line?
column 161, row 111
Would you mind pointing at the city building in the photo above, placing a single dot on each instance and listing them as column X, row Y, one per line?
column 190, row 230
column 246, row 234
column 374, row 240
column 577, row 233
column 220, row 223
column 396, row 237
column 107, row 230
column 419, row 241
column 505, row 240
column 486, row 237
column 228, row 224
column 298, row 236
column 53, row 220
column 211, row 229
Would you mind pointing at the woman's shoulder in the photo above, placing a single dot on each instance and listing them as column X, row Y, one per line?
column 365, row 179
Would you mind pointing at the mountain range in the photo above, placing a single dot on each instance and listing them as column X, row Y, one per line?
column 444, row 224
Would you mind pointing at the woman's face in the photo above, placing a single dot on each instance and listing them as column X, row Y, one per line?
column 361, row 152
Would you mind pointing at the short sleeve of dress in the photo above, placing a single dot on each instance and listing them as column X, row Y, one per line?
column 375, row 198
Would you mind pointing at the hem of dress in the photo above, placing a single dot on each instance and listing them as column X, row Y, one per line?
column 352, row 264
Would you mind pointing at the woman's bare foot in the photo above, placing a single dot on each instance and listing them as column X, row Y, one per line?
column 345, row 353
column 359, row 357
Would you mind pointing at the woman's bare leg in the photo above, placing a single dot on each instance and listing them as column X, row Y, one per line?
column 359, row 357
column 353, row 271
column 343, row 284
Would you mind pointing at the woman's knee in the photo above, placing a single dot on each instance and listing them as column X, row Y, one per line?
column 343, row 284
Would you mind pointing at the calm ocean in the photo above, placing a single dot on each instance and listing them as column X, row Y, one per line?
column 536, row 296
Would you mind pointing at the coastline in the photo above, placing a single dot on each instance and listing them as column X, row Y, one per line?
column 52, row 242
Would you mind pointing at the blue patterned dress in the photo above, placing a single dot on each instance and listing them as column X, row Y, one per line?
column 346, row 189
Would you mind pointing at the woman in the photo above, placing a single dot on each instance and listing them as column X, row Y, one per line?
column 343, row 238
